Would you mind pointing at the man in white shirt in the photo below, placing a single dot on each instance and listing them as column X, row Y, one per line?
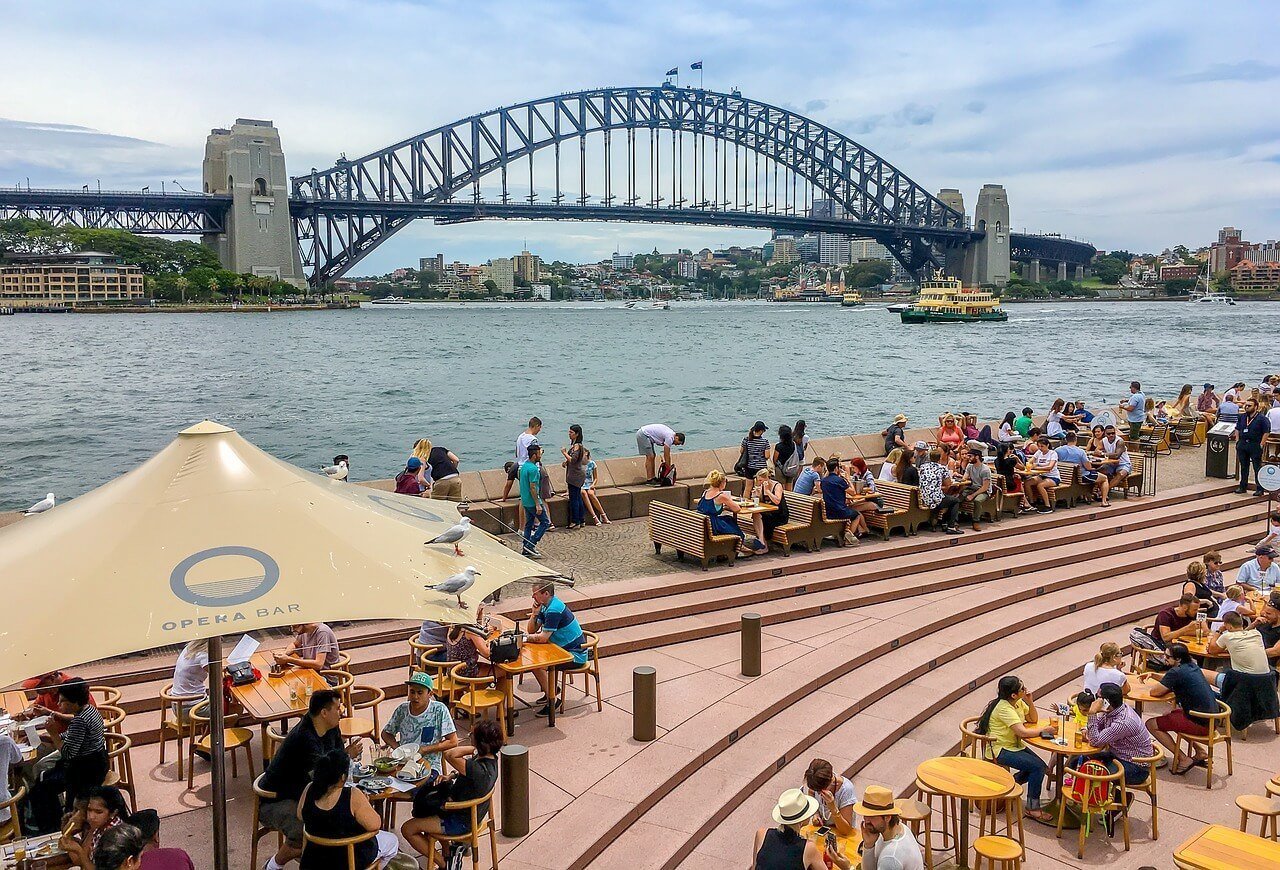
column 1261, row 572
column 651, row 437
column 887, row 844
column 523, row 440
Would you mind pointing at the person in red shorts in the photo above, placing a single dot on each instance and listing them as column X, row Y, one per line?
column 1192, row 694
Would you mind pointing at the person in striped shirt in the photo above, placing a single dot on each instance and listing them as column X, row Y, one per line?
column 83, row 763
column 1117, row 728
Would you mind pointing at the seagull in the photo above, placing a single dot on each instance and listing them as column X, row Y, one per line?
column 41, row 506
column 453, row 535
column 336, row 472
column 457, row 584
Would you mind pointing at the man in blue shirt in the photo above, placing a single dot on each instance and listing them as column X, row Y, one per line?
column 1251, row 430
column 809, row 478
column 1135, row 410
column 1083, row 412
column 535, row 511
column 553, row 622
column 1071, row 452
column 1261, row 572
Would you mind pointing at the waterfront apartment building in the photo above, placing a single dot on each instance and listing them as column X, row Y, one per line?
column 861, row 250
column 833, row 249
column 83, row 278
column 1180, row 271
column 526, row 266
column 623, row 261
column 688, row 269
column 784, row 250
column 1248, row 275
column 502, row 272
column 432, row 264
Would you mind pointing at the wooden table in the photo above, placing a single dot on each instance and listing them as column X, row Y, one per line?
column 267, row 699
column 970, row 779
column 13, row 703
column 385, row 801
column 848, row 844
column 1139, row 692
column 533, row 657
column 1060, row 753
column 55, row 859
column 1221, row 848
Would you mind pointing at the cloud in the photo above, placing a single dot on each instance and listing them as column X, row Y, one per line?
column 977, row 107
column 815, row 105
column 1242, row 71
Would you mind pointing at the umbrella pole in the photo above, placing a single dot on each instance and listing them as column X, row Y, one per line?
column 217, row 736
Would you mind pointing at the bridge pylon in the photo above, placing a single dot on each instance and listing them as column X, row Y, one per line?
column 247, row 163
column 986, row 260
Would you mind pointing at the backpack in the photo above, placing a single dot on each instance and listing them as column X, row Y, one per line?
column 1099, row 793
column 791, row 467
column 1138, row 637
column 667, row 474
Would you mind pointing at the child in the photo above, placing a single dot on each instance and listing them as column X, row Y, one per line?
column 1273, row 531
column 589, row 497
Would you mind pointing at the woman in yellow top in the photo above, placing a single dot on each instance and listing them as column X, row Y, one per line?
column 1007, row 720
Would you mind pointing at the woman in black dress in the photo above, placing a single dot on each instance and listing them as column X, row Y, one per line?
column 330, row 810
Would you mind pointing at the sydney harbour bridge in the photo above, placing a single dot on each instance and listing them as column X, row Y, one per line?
column 663, row 154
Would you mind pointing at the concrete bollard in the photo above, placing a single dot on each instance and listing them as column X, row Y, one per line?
column 644, row 704
column 751, row 644
column 515, row 790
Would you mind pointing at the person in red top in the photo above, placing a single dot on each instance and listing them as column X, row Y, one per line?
column 46, row 688
column 154, row 856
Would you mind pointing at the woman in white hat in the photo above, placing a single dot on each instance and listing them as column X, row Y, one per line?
column 783, row 847
column 886, row 842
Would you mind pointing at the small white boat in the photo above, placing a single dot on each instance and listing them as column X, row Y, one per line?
column 899, row 307
column 1213, row 299
column 391, row 300
column 647, row 305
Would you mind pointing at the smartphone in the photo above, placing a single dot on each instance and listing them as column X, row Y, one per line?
column 824, row 831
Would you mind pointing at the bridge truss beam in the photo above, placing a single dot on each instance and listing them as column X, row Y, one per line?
column 161, row 214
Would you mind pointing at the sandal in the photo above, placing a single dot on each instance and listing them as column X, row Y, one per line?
column 1039, row 816
column 1183, row 770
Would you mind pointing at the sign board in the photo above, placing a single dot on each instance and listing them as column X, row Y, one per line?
column 1222, row 429
column 1103, row 419
column 1269, row 477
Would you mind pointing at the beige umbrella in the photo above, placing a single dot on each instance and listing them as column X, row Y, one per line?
column 212, row 536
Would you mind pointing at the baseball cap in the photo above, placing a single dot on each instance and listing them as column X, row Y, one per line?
column 413, row 464
column 1208, row 386
column 420, row 678
column 1264, row 551
column 920, row 445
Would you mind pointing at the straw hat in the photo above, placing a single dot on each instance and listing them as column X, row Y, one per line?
column 901, row 418
column 794, row 807
column 877, row 801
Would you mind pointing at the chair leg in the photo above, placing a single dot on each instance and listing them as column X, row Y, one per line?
column 191, row 765
column 180, row 753
column 248, row 755
column 1155, row 816
column 1230, row 764
column 493, row 841
column 235, row 772
column 1208, row 769
column 600, row 701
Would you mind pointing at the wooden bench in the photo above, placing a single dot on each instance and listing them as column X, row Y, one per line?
column 988, row 510
column 1134, row 481
column 807, row 524
column 688, row 533
column 1074, row 488
column 907, row 513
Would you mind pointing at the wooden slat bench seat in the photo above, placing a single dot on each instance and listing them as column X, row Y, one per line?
column 907, row 513
column 988, row 510
column 688, row 533
column 807, row 524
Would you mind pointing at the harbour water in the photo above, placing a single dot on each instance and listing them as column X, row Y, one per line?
column 83, row 399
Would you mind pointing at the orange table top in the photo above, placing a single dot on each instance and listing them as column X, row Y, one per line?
column 1140, row 691
column 533, row 656
column 848, row 845
column 1068, row 734
column 1222, row 848
column 963, row 777
column 14, row 702
column 268, row 699
column 754, row 507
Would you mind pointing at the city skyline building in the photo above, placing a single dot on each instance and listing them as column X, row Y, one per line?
column 527, row 266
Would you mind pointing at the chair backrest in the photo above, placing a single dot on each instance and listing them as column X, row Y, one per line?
column 801, row 507
column 1219, row 723
column 168, row 696
column 112, row 717
column 1093, row 786
column 971, row 742
column 274, row 737
column 366, row 697
column 119, row 757
column 105, row 694
column 340, row 682
column 348, row 843
column 12, row 829
column 474, row 806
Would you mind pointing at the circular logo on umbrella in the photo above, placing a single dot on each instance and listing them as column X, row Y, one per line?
column 407, row 510
column 224, row 576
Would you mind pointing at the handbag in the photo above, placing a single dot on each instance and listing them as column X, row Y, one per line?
column 740, row 467
column 505, row 647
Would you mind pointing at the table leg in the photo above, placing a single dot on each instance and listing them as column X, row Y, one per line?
column 511, row 704
column 962, row 850
column 551, row 697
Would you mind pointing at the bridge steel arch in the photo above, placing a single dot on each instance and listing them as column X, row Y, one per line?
column 343, row 213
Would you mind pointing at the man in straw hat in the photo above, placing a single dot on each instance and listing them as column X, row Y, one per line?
column 895, row 434
column 886, row 842
column 784, row 847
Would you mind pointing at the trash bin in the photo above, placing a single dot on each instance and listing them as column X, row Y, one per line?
column 1217, row 454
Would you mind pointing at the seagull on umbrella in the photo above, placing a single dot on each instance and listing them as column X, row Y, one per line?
column 453, row 535
column 41, row 506
column 457, row 584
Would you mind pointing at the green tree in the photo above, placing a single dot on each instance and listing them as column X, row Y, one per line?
column 1222, row 282
column 1178, row 286
column 491, row 285
column 1109, row 269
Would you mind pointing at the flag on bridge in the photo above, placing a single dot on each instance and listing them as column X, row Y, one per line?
column 674, row 71
column 696, row 65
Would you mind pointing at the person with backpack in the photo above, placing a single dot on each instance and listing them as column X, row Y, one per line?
column 474, row 773
column 1007, row 720
column 1118, row 729
column 648, row 439
column 787, row 457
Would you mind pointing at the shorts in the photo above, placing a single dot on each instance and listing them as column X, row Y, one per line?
column 645, row 445
column 514, row 471
column 449, row 489
column 282, row 816
column 1178, row 722
column 455, row 823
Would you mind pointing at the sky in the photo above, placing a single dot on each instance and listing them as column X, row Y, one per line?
column 1135, row 126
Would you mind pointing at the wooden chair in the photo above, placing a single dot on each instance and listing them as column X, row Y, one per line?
column 104, row 695
column 972, row 743
column 1265, row 808
column 175, row 719
column 340, row 682
column 417, row 649
column 120, row 766
column 233, row 739
column 343, row 664
column 1149, row 787
column 272, row 737
column 476, row 694
column 472, row 837
column 1133, row 483
column 916, row 815
column 349, row 843
column 1114, row 783
column 363, row 698
column 948, row 810
column 12, row 829
column 442, row 675
column 590, row 671
column 1219, row 732
column 999, row 853
column 112, row 718
column 256, row 830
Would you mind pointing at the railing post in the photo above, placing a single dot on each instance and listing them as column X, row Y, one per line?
column 515, row 790
column 751, row 644
column 644, row 703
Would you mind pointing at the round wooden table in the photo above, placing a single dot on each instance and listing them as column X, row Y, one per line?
column 1060, row 752
column 969, row 779
column 1139, row 692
